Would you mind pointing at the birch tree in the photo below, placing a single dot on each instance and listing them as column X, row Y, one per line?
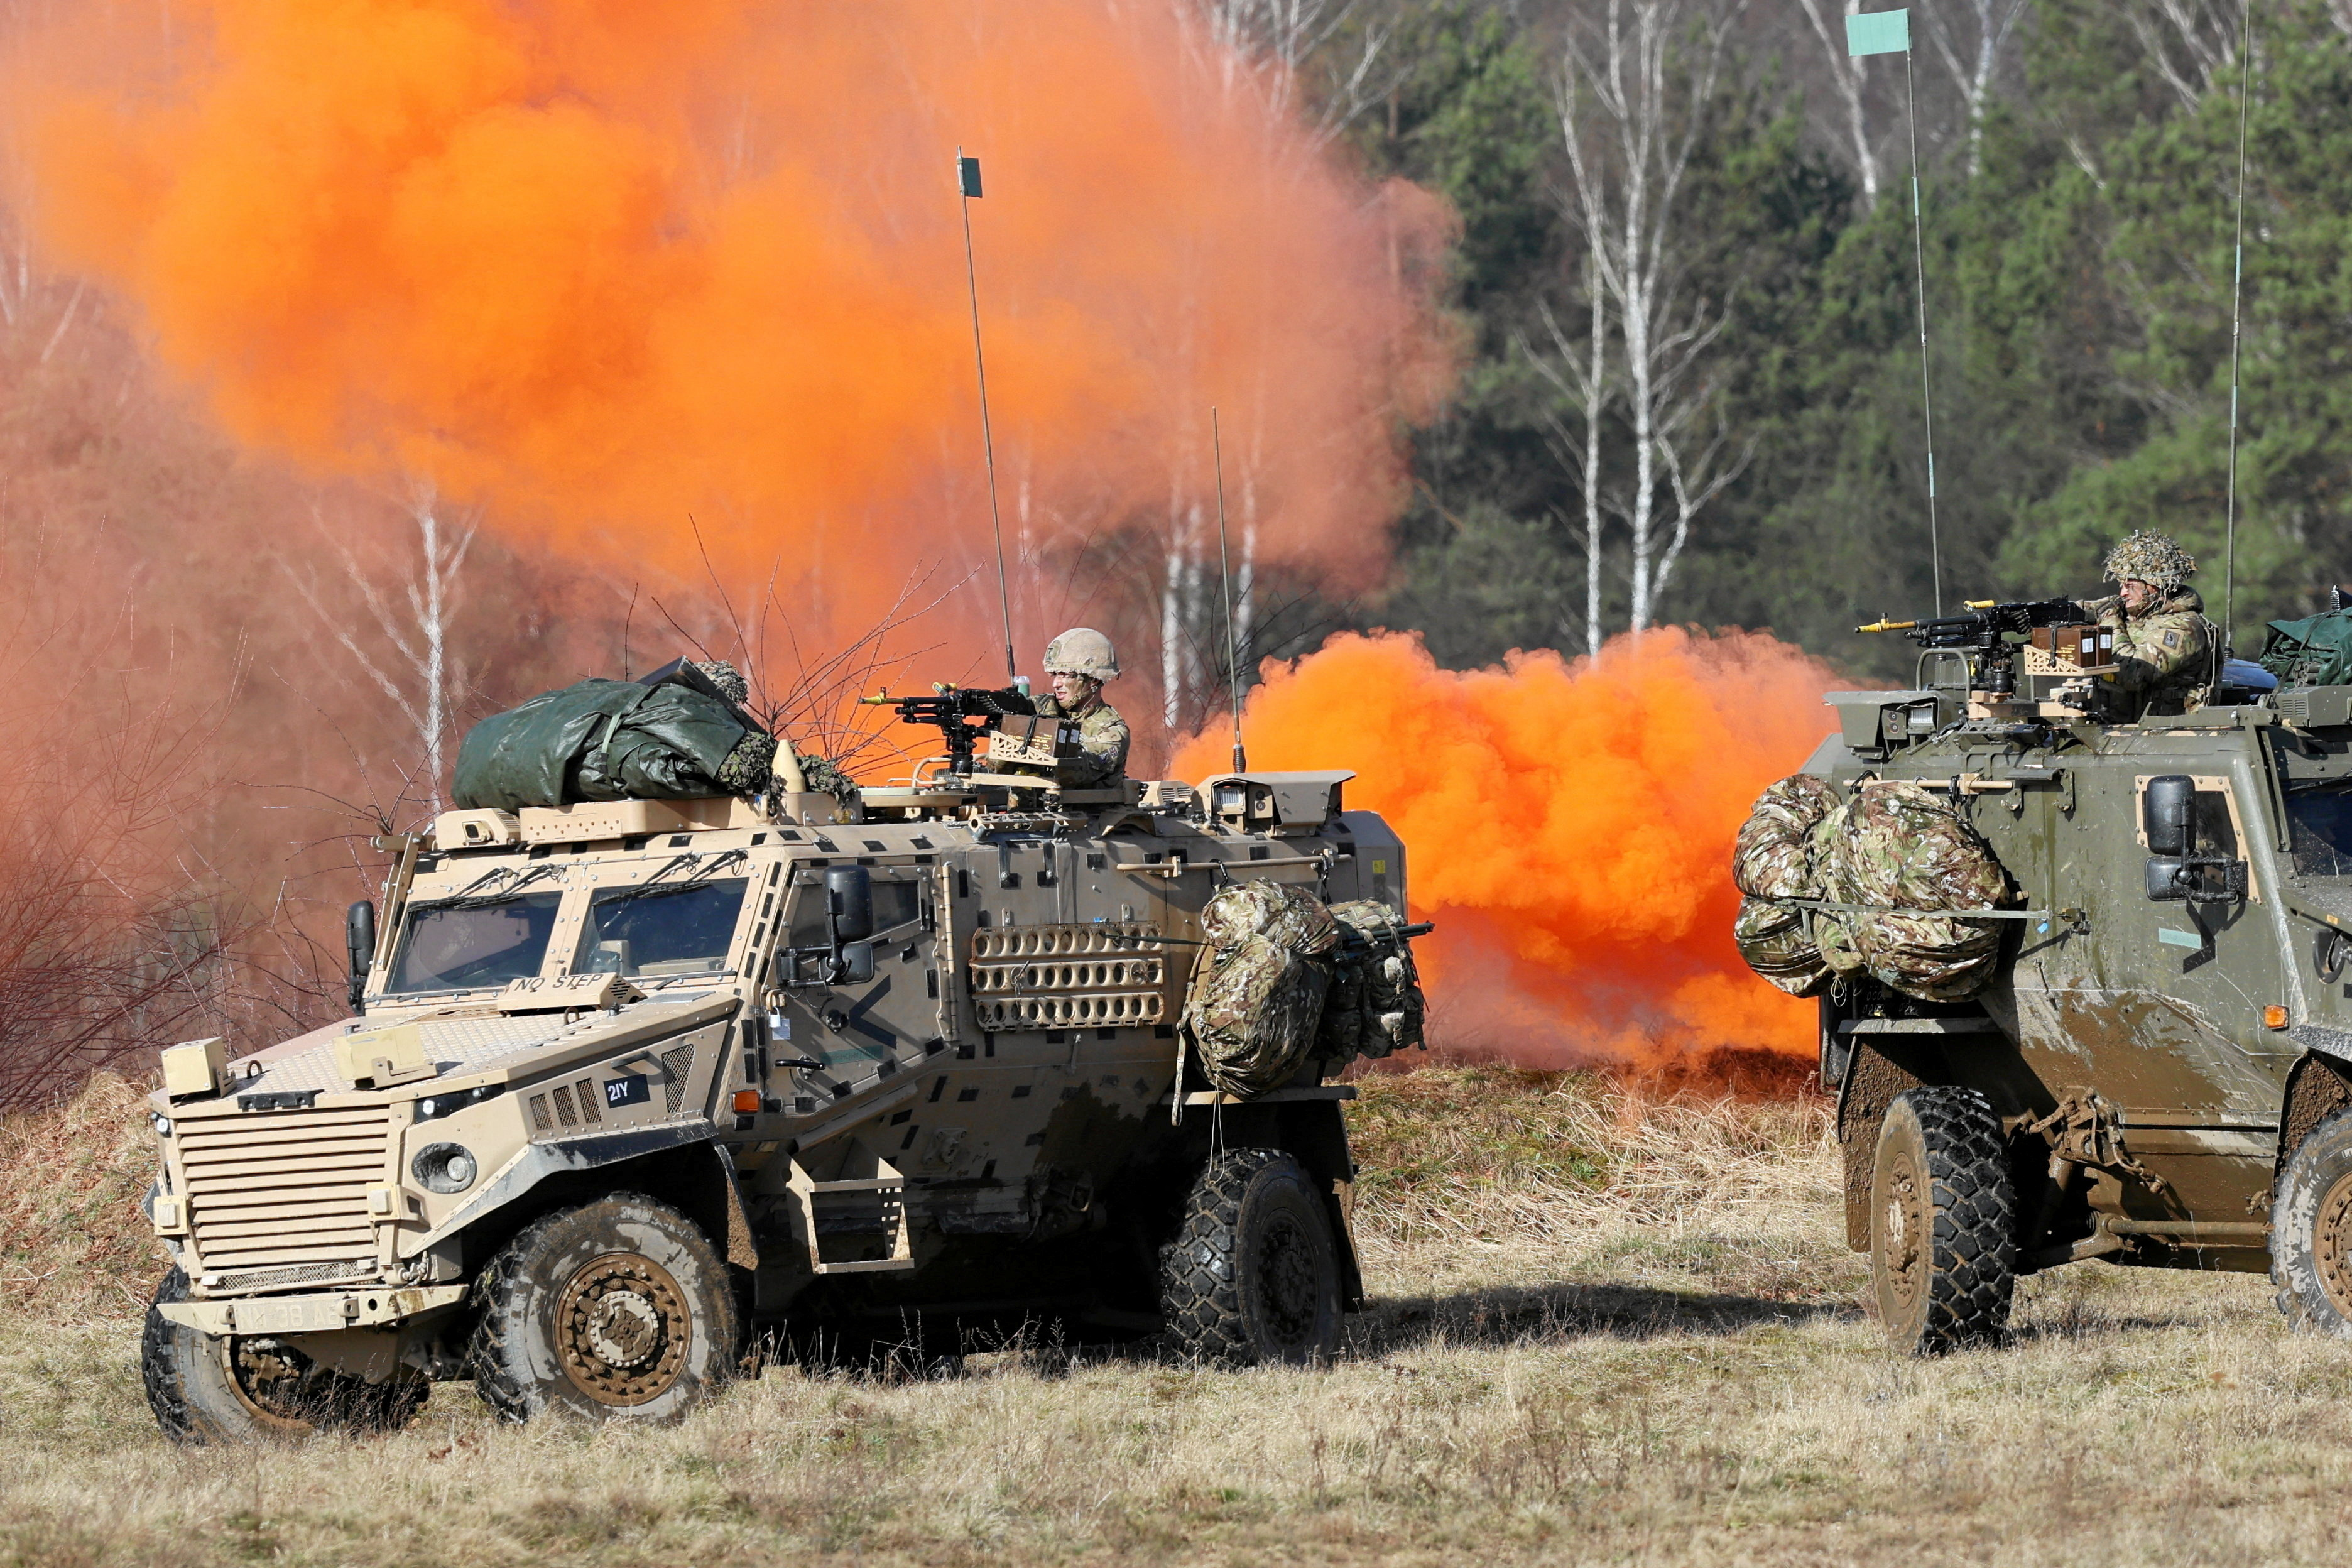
column 2188, row 41
column 1345, row 42
column 1636, row 85
column 1851, row 85
column 1968, row 37
column 408, row 657
column 1581, row 376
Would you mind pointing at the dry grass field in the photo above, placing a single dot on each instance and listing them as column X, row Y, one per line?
column 1609, row 1326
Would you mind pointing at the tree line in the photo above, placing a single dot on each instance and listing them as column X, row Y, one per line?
column 1686, row 287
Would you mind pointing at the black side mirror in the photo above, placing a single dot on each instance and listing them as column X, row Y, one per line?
column 849, row 902
column 2167, row 880
column 2170, row 807
column 857, row 965
column 359, row 940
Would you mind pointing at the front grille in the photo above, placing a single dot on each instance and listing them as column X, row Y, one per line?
column 300, row 1274
column 281, row 1190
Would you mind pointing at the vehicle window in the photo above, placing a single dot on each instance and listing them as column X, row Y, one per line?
column 473, row 942
column 895, row 904
column 2321, row 825
column 2215, row 834
column 665, row 929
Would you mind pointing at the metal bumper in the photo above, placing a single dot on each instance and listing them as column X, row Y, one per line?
column 312, row 1314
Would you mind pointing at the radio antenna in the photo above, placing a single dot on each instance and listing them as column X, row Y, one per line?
column 1225, row 560
column 2237, row 295
column 967, row 191
column 1886, row 33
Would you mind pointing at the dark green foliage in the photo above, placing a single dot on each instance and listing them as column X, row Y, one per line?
column 2079, row 289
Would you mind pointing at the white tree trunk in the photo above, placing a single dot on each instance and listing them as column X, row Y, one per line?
column 1970, row 57
column 1633, row 98
column 412, row 668
column 1828, row 19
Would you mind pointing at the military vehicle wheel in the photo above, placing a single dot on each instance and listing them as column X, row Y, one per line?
column 618, row 1309
column 210, row 1388
column 1943, row 1222
column 2311, row 1231
column 1253, row 1275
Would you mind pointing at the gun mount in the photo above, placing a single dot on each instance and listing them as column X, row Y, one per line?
column 2063, row 651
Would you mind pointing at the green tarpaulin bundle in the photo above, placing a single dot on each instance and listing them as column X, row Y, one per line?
column 2314, row 651
column 610, row 740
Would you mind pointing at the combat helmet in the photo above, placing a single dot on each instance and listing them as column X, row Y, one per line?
column 2153, row 557
column 727, row 678
column 1082, row 650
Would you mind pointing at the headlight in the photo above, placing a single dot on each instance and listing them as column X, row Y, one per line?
column 445, row 1167
column 433, row 1107
column 162, row 1126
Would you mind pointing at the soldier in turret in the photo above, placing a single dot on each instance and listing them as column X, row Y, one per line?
column 2164, row 644
column 1077, row 663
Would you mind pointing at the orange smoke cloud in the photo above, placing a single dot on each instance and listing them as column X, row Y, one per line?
column 1567, row 824
column 603, row 265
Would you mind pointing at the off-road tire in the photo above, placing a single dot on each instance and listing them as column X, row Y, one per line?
column 619, row 1310
column 195, row 1389
column 2311, row 1232
column 1943, row 1222
column 1253, row 1274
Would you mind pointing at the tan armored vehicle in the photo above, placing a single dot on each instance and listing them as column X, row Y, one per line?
column 636, row 1078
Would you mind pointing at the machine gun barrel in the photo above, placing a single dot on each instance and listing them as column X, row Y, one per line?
column 961, row 713
column 1986, row 623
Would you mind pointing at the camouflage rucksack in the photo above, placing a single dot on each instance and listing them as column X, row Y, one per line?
column 1898, row 846
column 1774, row 859
column 1375, row 1005
column 1258, row 995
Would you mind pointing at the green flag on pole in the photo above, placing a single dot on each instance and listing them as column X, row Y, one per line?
column 1878, row 33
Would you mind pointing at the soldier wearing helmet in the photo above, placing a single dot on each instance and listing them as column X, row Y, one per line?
column 2164, row 646
column 1077, row 663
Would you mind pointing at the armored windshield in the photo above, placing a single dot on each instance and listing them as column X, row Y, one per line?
column 2320, row 818
column 470, row 943
column 661, row 928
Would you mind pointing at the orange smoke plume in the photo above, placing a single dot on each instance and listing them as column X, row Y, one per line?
column 606, row 266
column 1567, row 824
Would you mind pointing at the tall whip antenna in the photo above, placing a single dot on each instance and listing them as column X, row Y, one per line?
column 1225, row 560
column 1886, row 33
column 2237, row 296
column 967, row 189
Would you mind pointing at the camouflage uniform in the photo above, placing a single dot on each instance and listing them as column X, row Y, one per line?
column 1102, row 738
column 2164, row 654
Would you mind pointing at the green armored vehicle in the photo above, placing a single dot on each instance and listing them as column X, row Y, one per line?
column 2140, row 1050
column 636, row 1082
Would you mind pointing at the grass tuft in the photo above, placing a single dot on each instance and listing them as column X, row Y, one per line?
column 73, row 1244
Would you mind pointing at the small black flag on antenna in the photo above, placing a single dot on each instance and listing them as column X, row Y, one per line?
column 967, row 175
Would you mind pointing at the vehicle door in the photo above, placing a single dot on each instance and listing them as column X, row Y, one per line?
column 858, row 1007
column 2160, row 1004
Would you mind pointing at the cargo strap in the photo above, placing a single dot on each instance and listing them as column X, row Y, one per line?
column 1827, row 907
